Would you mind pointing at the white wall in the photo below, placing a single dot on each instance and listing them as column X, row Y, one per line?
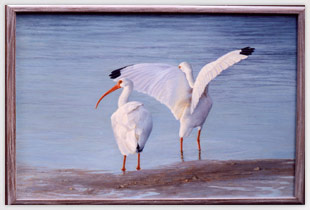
column 149, row 2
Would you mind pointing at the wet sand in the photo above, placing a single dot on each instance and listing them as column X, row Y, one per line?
column 192, row 179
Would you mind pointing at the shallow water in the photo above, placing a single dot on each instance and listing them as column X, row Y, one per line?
column 62, row 68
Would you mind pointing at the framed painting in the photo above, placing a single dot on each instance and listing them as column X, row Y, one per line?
column 207, row 104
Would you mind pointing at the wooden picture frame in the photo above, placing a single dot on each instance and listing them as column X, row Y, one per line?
column 10, row 97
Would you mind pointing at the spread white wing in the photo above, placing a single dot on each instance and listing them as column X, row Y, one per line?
column 166, row 83
column 211, row 70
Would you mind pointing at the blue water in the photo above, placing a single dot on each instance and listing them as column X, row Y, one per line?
column 62, row 68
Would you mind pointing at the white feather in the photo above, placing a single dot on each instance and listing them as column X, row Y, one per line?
column 210, row 71
column 166, row 83
column 132, row 125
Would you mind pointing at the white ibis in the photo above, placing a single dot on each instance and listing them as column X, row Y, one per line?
column 131, row 123
column 188, row 100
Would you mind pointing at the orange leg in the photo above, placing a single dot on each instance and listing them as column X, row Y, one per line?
column 124, row 162
column 181, row 144
column 138, row 166
column 198, row 140
column 181, row 148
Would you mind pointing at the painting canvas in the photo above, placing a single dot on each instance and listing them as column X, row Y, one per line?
column 174, row 127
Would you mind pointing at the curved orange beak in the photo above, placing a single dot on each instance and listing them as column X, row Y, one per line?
column 117, row 86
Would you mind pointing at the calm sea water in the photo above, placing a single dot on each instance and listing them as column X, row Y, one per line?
column 62, row 68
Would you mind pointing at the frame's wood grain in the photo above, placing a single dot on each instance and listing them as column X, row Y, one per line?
column 10, row 119
column 161, row 9
column 300, row 121
column 10, row 112
column 165, row 201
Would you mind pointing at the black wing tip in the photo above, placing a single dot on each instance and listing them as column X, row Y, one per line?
column 247, row 51
column 139, row 149
column 117, row 72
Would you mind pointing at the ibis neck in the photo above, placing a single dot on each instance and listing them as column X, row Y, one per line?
column 190, row 78
column 123, row 99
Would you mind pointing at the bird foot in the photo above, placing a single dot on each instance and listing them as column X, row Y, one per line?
column 138, row 168
column 124, row 169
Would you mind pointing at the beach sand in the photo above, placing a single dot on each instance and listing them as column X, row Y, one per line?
column 191, row 179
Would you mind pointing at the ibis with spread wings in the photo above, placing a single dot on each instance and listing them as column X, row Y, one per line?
column 175, row 87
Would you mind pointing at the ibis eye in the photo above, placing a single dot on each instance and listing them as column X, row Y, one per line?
column 120, row 82
column 179, row 67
